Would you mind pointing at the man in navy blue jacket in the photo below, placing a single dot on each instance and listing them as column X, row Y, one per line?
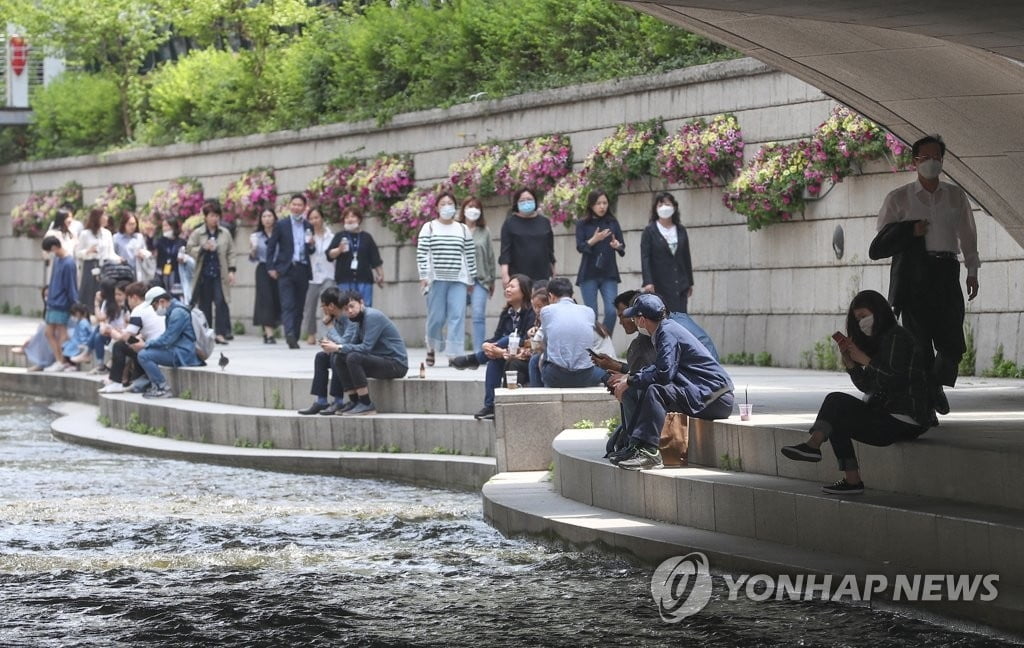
column 684, row 378
column 288, row 252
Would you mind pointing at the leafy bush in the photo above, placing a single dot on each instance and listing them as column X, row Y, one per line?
column 77, row 113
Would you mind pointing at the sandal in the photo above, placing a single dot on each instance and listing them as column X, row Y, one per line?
column 430, row 358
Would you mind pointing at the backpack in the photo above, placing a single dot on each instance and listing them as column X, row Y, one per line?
column 205, row 336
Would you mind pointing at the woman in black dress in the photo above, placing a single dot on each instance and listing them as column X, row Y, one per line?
column 267, row 310
column 665, row 255
column 527, row 242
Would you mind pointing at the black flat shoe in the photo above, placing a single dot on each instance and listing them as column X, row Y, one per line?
column 330, row 410
column 315, row 408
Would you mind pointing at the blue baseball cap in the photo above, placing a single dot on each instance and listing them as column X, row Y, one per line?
column 648, row 305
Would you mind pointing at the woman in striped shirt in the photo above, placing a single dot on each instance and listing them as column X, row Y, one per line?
column 446, row 260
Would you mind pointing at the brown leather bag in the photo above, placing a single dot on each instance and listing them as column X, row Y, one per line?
column 675, row 439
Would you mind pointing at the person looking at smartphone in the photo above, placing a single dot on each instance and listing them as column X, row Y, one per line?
column 333, row 303
column 885, row 362
column 144, row 324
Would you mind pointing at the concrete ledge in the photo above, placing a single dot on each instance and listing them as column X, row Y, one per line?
column 57, row 386
column 908, row 532
column 78, row 425
column 233, row 425
column 525, row 503
column 528, row 420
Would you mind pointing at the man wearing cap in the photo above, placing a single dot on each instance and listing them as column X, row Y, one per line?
column 684, row 378
column 176, row 347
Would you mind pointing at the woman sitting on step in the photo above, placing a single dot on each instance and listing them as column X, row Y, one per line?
column 884, row 362
column 517, row 317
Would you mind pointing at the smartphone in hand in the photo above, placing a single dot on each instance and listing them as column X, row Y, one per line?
column 839, row 338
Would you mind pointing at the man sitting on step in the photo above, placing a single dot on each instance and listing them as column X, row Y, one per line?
column 333, row 302
column 143, row 324
column 684, row 378
column 370, row 348
column 176, row 347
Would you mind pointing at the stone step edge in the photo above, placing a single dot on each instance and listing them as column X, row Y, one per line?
column 525, row 503
column 214, row 407
column 77, row 424
column 951, row 509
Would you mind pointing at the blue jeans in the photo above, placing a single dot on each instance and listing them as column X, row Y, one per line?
column 364, row 289
column 702, row 336
column 555, row 376
column 608, row 289
column 495, row 371
column 534, row 370
column 478, row 303
column 150, row 361
column 97, row 343
column 446, row 309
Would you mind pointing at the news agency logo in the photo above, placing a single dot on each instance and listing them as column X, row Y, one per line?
column 682, row 587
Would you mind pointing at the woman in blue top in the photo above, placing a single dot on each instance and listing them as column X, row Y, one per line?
column 598, row 240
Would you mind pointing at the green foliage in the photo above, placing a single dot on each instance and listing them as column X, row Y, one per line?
column 15, row 144
column 238, row 328
column 583, row 424
column 186, row 394
column 763, row 359
column 266, row 445
column 5, row 309
column 241, row 442
column 444, row 451
column 275, row 397
column 136, row 425
column 825, row 356
column 969, row 360
column 103, row 420
column 16, row 310
column 725, row 462
column 76, row 114
column 1003, row 367
column 611, row 424
column 760, row 359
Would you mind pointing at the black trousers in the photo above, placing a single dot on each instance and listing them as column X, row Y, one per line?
column 845, row 418
column 118, row 356
column 292, row 287
column 210, row 293
column 354, row 368
column 321, row 369
column 935, row 317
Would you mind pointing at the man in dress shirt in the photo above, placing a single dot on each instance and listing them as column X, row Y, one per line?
column 288, row 262
column 568, row 333
column 923, row 225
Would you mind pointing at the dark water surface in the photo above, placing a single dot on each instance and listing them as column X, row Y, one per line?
column 101, row 549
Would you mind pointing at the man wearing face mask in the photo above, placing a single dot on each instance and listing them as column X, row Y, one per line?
column 922, row 226
column 176, row 347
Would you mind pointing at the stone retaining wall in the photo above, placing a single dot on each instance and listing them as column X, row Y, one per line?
column 779, row 290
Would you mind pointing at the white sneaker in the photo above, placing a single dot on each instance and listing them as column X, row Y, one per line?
column 112, row 388
column 71, row 368
column 56, row 366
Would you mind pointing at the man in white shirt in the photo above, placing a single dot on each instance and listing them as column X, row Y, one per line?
column 925, row 279
column 143, row 324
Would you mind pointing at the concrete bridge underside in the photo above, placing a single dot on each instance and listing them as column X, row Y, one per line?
column 953, row 67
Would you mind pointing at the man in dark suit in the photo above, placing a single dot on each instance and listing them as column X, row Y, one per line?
column 288, row 252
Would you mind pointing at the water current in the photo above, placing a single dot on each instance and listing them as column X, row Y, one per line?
column 101, row 549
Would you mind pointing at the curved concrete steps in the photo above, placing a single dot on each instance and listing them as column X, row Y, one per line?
column 79, row 425
column 908, row 531
column 234, row 425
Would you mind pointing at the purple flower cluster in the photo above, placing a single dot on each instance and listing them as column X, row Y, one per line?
column 627, row 154
column 330, row 192
column 34, row 216
column 538, row 164
column 183, row 197
column 372, row 185
column 567, row 200
column 703, row 154
column 117, row 200
column 477, row 173
column 244, row 199
column 407, row 216
column 770, row 188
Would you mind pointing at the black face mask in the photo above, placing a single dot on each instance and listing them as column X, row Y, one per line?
column 359, row 317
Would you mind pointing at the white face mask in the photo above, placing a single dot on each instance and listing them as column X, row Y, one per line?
column 472, row 214
column 351, row 227
column 930, row 169
column 161, row 311
column 446, row 212
column 641, row 330
column 665, row 211
column 866, row 325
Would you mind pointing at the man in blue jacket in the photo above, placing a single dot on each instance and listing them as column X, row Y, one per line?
column 684, row 378
column 370, row 348
column 175, row 348
column 288, row 252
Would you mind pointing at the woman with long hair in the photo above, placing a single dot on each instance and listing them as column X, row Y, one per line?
column 884, row 362
column 322, row 271
column 267, row 309
column 129, row 242
column 471, row 213
column 598, row 240
column 517, row 317
column 665, row 255
column 446, row 261
column 168, row 245
column 527, row 240
column 95, row 247
column 64, row 229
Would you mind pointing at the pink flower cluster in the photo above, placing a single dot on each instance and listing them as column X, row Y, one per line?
column 117, row 200
column 627, row 154
column 477, row 173
column 703, row 154
column 183, row 197
column 407, row 216
column 372, row 185
column 330, row 192
column 567, row 200
column 770, row 188
column 538, row 164
column 34, row 216
column 244, row 199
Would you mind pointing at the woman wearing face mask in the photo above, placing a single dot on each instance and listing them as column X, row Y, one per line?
column 168, row 245
column 665, row 255
column 886, row 364
column 471, row 213
column 527, row 242
column 322, row 274
column 446, row 260
column 129, row 243
column 598, row 240
column 267, row 308
column 357, row 262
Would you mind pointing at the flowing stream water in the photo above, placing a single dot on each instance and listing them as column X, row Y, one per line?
column 102, row 549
